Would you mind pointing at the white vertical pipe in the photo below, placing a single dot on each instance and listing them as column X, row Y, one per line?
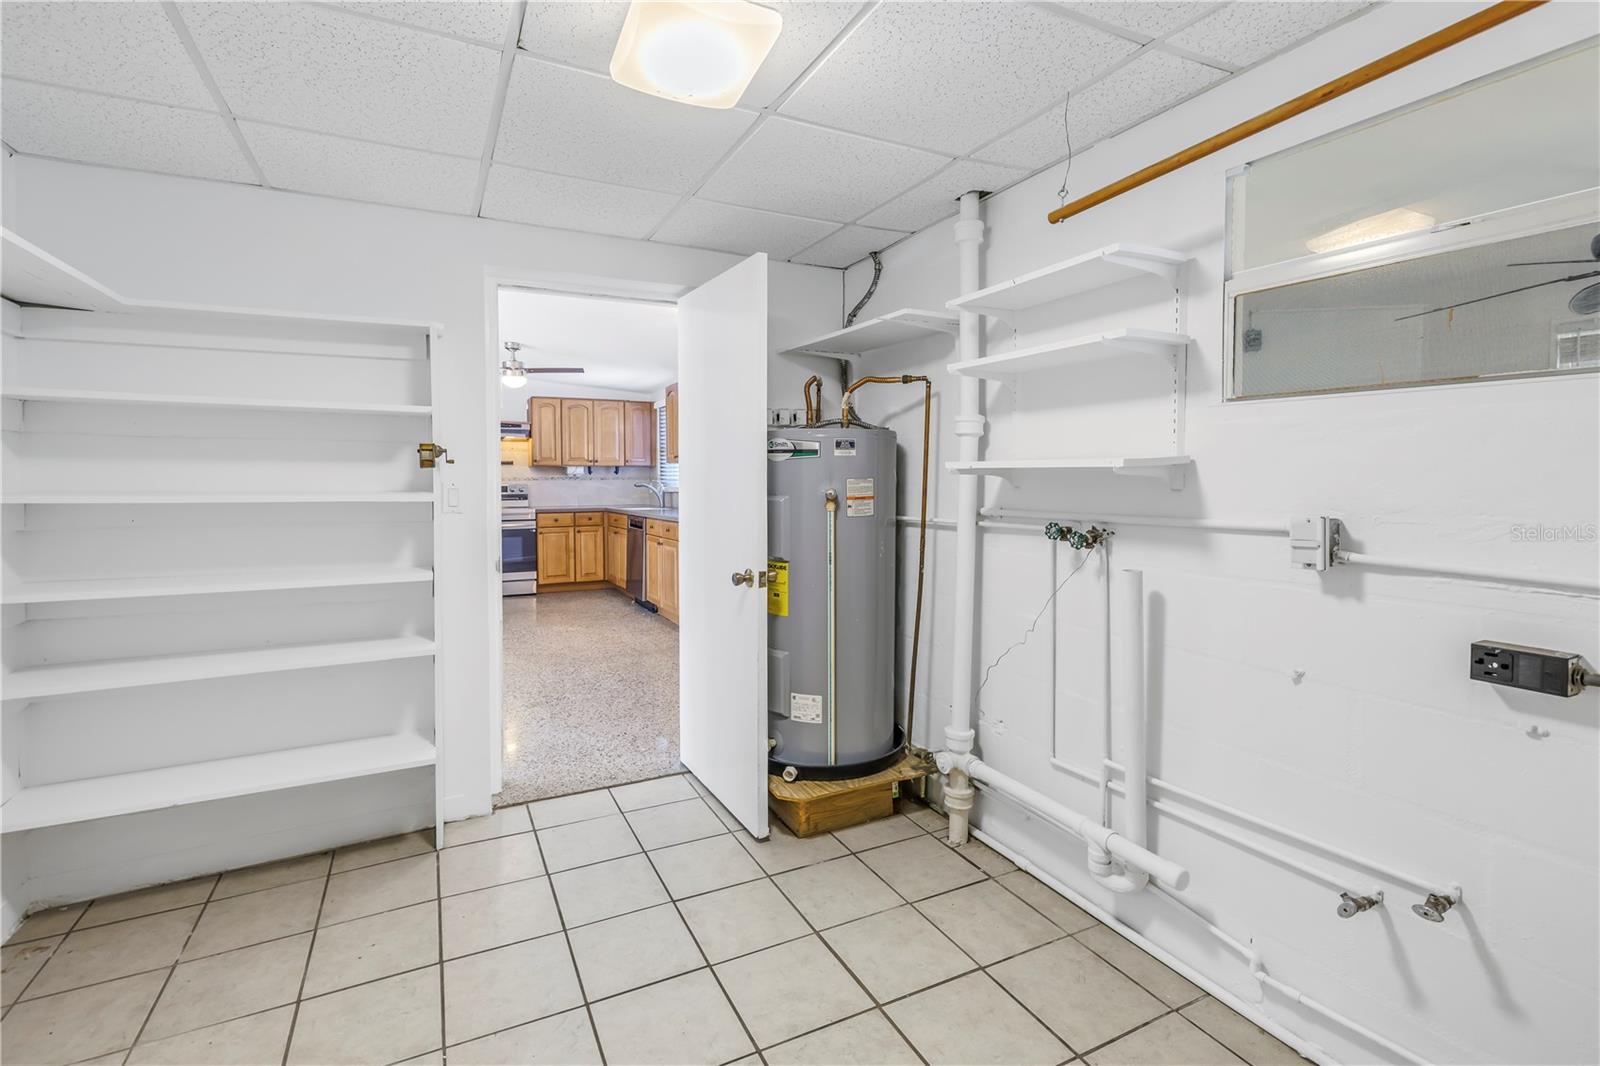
column 969, row 427
column 1128, row 707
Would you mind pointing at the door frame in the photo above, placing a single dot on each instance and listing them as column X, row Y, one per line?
column 557, row 284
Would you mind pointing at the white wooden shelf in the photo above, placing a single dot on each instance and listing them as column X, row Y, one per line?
column 1170, row 467
column 896, row 327
column 69, row 679
column 1080, row 274
column 224, row 403
column 1119, row 342
column 121, row 498
column 38, row 806
column 30, row 275
column 79, row 590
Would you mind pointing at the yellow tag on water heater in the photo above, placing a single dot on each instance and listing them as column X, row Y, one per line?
column 778, row 588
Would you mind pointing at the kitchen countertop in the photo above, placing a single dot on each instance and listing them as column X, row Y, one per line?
column 665, row 514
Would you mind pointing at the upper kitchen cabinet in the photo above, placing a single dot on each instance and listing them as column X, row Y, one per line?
column 672, row 422
column 544, row 416
column 639, row 438
column 610, row 427
column 577, row 432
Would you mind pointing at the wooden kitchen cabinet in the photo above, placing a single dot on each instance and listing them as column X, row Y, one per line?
column 672, row 422
column 668, row 603
column 589, row 553
column 617, row 555
column 610, row 427
column 661, row 567
column 639, row 438
column 555, row 555
column 544, row 418
column 577, row 432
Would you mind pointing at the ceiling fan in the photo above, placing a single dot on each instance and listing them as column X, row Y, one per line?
column 1586, row 301
column 513, row 375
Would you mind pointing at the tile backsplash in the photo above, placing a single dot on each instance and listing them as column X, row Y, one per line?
column 551, row 487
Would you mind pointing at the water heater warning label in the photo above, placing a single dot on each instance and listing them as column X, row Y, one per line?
column 804, row 708
column 778, row 588
column 859, row 497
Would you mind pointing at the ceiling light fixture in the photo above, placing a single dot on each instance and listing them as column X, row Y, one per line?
column 513, row 375
column 705, row 54
column 1378, row 227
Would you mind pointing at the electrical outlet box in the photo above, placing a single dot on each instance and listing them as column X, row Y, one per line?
column 1312, row 542
column 1554, row 673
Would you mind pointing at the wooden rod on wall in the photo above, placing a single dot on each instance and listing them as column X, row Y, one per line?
column 1454, row 33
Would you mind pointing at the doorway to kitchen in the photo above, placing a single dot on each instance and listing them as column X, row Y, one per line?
column 587, row 389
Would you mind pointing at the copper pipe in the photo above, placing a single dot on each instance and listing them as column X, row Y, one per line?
column 813, row 407
column 1438, row 41
column 922, row 520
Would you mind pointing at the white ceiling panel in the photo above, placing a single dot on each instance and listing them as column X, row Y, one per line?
column 323, row 69
column 124, row 49
column 479, row 20
column 935, row 198
column 847, row 246
column 88, row 128
column 517, row 195
column 1147, row 18
column 700, row 224
column 1241, row 34
column 359, row 170
column 588, row 126
column 1151, row 83
column 950, row 76
column 585, row 35
column 792, row 167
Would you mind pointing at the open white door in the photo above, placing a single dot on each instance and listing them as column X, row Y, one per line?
column 722, row 466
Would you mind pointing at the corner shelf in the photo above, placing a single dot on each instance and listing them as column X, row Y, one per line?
column 1170, row 467
column 1117, row 342
column 38, row 806
column 70, row 679
column 81, row 590
column 896, row 327
column 52, row 395
column 1084, row 273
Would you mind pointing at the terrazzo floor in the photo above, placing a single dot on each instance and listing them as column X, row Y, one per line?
column 632, row 925
column 591, row 694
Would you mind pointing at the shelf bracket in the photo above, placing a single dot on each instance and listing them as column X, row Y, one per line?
column 1167, row 272
column 1173, row 475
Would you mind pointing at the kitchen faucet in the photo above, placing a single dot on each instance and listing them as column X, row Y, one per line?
column 655, row 487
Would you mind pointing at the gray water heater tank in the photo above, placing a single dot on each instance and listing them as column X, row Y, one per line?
column 856, row 728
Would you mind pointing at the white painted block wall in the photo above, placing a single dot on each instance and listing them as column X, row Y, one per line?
column 1339, row 705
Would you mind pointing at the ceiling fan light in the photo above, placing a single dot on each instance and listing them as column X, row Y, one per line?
column 705, row 54
column 513, row 377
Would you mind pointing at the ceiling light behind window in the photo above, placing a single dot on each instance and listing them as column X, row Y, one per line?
column 696, row 53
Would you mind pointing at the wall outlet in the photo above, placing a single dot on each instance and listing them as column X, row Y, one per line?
column 1554, row 673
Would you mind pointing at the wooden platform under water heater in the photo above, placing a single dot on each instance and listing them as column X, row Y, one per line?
column 812, row 807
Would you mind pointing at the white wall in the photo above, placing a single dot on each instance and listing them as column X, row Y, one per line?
column 1337, row 705
column 174, row 239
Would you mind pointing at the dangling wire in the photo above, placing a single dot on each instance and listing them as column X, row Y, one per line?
column 1066, row 129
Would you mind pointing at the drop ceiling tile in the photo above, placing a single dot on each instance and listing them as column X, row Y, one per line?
column 359, row 170
column 585, row 35
column 1148, row 85
column 479, row 20
column 517, row 195
column 322, row 69
column 701, row 224
column 87, row 128
column 124, row 49
column 1241, row 34
column 792, row 167
column 949, row 76
column 848, row 245
column 1150, row 18
column 588, row 126
column 935, row 198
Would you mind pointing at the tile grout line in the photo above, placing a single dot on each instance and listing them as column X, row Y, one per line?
column 171, row 970
column 299, row 994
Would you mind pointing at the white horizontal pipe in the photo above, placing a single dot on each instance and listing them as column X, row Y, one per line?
column 1471, row 573
column 1333, row 1015
column 1399, row 876
column 1079, row 825
column 1216, row 525
column 950, row 523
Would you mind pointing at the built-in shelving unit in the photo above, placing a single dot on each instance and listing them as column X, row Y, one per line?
column 1120, row 342
column 896, row 327
column 63, row 803
column 217, row 571
column 1084, row 273
column 1110, row 265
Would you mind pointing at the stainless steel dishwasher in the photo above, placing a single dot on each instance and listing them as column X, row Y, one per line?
column 636, row 562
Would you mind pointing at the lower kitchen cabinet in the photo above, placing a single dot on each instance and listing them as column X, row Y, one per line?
column 617, row 554
column 584, row 549
column 668, row 603
column 555, row 556
column 590, row 553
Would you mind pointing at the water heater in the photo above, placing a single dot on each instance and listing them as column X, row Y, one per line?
column 831, row 532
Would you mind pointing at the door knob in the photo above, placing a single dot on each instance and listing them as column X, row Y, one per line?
column 744, row 577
